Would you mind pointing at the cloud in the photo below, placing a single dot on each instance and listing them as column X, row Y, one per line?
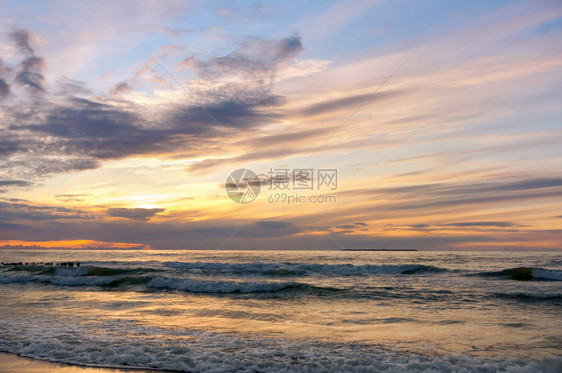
column 21, row 39
column 31, row 67
column 14, row 211
column 134, row 214
column 73, row 133
column 539, row 183
column 346, row 226
column 8, row 147
column 500, row 224
column 4, row 88
column 77, row 133
column 22, row 220
column 447, row 198
column 14, row 183
column 69, row 87
column 349, row 228
column 33, row 79
column 328, row 106
column 71, row 197
column 120, row 88
column 246, row 74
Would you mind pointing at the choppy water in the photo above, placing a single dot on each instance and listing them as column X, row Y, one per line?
column 313, row 311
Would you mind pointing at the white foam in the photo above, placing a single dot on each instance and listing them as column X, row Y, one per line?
column 546, row 274
column 123, row 344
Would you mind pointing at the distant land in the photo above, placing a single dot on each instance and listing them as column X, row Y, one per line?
column 380, row 250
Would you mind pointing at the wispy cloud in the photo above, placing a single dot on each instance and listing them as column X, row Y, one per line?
column 134, row 214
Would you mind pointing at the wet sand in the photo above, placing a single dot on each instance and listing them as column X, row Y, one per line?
column 10, row 363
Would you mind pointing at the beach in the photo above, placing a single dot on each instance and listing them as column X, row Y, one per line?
column 10, row 363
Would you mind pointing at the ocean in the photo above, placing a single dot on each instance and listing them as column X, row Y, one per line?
column 286, row 311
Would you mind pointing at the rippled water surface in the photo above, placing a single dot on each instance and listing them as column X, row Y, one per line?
column 286, row 310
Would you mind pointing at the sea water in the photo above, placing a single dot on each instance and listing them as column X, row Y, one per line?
column 293, row 311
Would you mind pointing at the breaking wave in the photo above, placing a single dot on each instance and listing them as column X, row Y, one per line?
column 302, row 269
column 526, row 274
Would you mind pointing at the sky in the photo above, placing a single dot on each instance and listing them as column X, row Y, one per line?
column 427, row 125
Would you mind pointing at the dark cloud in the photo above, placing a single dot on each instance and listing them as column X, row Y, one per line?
column 120, row 88
column 31, row 67
column 529, row 184
column 227, row 113
column 415, row 201
column 254, row 64
column 349, row 228
column 74, row 133
column 4, row 88
column 98, row 131
column 253, row 57
column 450, row 194
column 71, row 197
column 559, row 216
column 33, row 63
column 32, row 79
column 77, row 134
column 134, row 214
column 14, row 183
column 8, row 147
column 346, row 226
column 482, row 224
column 22, row 220
column 168, row 235
column 329, row 106
column 4, row 69
column 15, row 211
column 21, row 39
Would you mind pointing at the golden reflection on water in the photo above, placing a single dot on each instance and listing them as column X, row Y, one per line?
column 365, row 322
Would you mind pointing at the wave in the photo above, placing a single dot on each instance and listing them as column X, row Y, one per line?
column 529, row 296
column 303, row 269
column 115, row 279
column 231, row 287
column 80, row 271
column 126, row 345
column 526, row 274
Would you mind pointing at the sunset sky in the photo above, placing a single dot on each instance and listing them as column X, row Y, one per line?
column 443, row 120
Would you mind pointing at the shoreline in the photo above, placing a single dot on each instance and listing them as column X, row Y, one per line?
column 13, row 363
